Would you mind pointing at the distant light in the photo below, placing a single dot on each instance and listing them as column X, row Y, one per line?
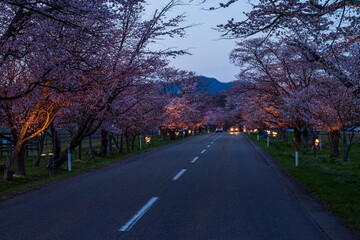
column 148, row 140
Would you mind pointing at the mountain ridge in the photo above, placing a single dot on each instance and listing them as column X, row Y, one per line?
column 214, row 86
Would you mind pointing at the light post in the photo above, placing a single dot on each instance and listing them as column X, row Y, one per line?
column 148, row 140
column 43, row 155
column 316, row 146
column 51, row 163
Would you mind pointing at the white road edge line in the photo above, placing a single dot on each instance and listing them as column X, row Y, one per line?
column 194, row 160
column 179, row 175
column 137, row 217
column 209, row 146
column 203, row 151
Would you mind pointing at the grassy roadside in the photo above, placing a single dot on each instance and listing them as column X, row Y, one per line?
column 332, row 180
column 39, row 176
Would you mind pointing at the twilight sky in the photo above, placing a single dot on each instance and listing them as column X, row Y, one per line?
column 210, row 54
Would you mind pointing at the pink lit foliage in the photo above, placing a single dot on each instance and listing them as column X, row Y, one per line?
column 281, row 88
column 270, row 72
column 126, row 63
column 87, row 52
column 48, row 39
column 325, row 30
column 187, row 105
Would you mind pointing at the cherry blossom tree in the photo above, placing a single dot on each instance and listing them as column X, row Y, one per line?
column 271, row 73
column 333, row 108
column 126, row 62
column 187, row 101
column 26, row 118
column 45, row 36
column 323, row 29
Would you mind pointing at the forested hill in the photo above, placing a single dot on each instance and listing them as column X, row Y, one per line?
column 213, row 85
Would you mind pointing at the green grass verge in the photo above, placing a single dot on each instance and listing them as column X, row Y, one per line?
column 335, row 182
column 39, row 176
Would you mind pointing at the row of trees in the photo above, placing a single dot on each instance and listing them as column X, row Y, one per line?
column 87, row 66
column 299, row 68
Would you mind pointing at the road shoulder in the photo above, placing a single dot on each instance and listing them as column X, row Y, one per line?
column 329, row 223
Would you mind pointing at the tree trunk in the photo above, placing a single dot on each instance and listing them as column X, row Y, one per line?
column 55, row 142
column 104, row 141
column 306, row 137
column 21, row 161
column 297, row 133
column 347, row 147
column 164, row 134
column 116, row 141
column 80, row 150
column 91, row 149
column 133, row 142
column 334, row 143
column 9, row 170
column 283, row 134
column 40, row 142
column 121, row 143
column 172, row 135
column 127, row 141
column 110, row 144
column 87, row 128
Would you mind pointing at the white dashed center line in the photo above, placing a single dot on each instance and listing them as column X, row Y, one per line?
column 179, row 174
column 203, row 151
column 137, row 217
column 194, row 160
column 208, row 146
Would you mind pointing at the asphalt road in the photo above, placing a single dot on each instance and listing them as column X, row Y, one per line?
column 215, row 186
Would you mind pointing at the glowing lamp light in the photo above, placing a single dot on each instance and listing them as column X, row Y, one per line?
column 189, row 131
column 148, row 140
column 268, row 132
column 317, row 142
column 255, row 130
column 231, row 129
column 274, row 134
column 177, row 133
